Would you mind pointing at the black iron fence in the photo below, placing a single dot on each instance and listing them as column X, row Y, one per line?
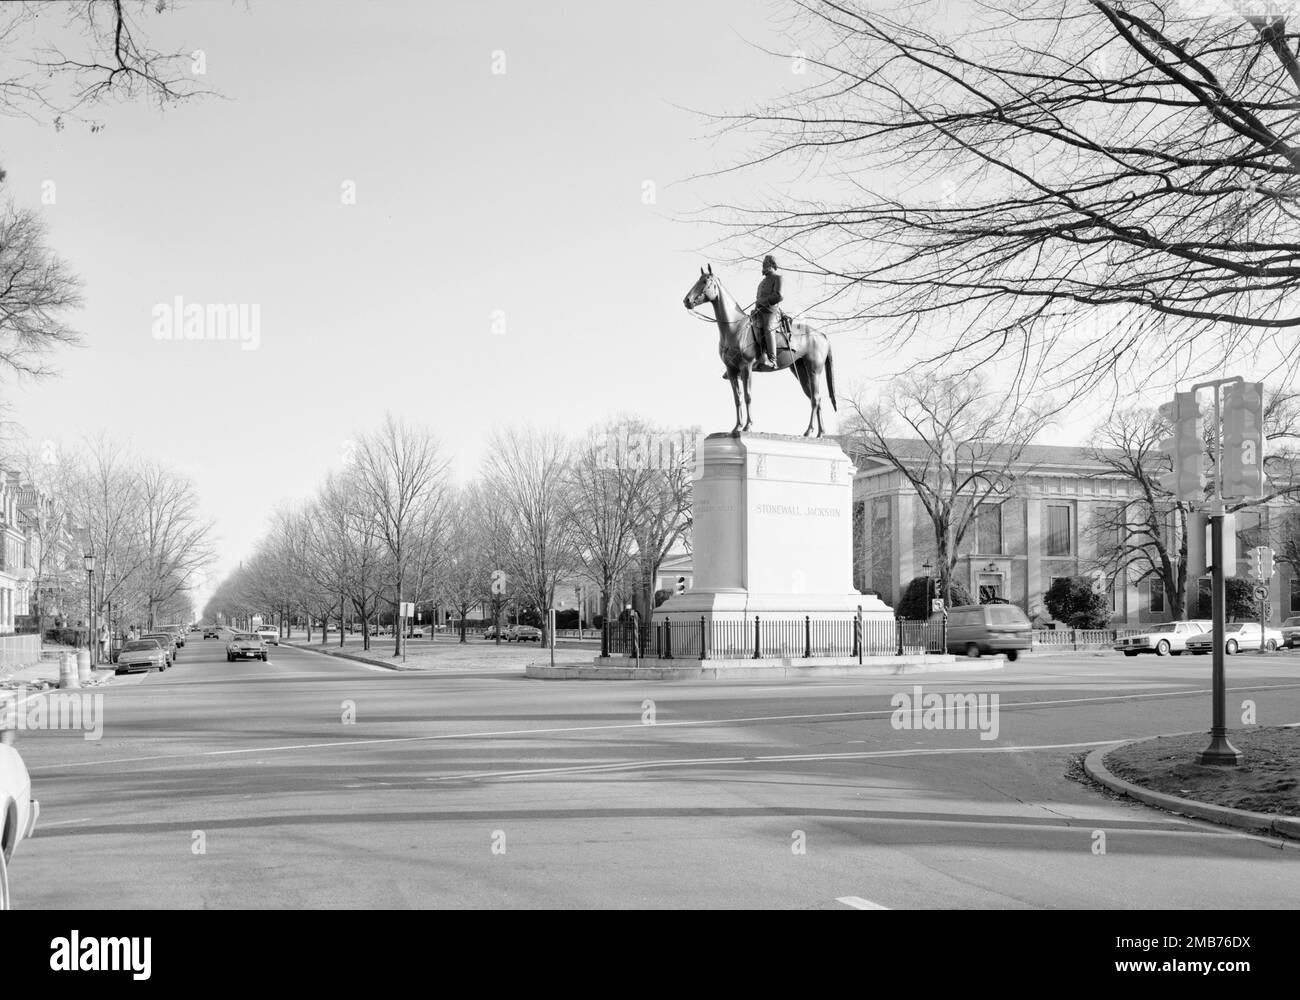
column 762, row 636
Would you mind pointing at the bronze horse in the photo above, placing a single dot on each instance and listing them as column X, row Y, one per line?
column 739, row 350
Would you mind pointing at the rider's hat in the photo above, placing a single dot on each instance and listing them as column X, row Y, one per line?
column 769, row 259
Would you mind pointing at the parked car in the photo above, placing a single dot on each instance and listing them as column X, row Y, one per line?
column 177, row 632
column 269, row 634
column 1291, row 632
column 524, row 633
column 1165, row 639
column 167, row 641
column 246, row 644
column 493, row 631
column 1237, row 636
column 415, row 633
column 988, row 628
column 141, row 654
column 18, row 810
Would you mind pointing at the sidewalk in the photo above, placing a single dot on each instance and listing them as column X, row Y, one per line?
column 1262, row 795
column 45, row 672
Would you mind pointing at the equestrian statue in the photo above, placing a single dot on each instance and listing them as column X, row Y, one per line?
column 766, row 341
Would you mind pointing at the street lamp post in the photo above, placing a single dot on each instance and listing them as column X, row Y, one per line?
column 89, row 557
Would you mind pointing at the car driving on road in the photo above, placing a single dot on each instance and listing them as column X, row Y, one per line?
column 210, row 632
column 269, row 634
column 496, row 631
column 1166, row 639
column 246, row 645
column 18, row 810
column 141, row 654
column 524, row 633
column 1237, row 636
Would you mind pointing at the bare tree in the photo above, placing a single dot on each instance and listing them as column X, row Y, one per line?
column 175, row 537
column 1075, row 189
column 614, row 493
column 36, row 290
column 960, row 445
column 99, row 51
column 402, row 480
column 1144, row 536
column 529, row 471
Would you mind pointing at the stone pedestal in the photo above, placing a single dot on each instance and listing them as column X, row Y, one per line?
column 773, row 539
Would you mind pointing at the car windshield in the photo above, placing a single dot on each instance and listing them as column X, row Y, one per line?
column 1292, row 621
column 137, row 645
column 157, row 635
column 1234, row 626
column 245, row 638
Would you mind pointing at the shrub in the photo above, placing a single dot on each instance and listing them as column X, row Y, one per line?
column 1239, row 600
column 1072, row 600
column 914, row 605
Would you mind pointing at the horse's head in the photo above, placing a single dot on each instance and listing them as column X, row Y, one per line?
column 704, row 290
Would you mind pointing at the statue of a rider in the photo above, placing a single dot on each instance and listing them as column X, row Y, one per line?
column 767, row 310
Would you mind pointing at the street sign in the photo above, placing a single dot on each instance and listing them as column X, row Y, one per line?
column 1261, row 592
column 936, row 605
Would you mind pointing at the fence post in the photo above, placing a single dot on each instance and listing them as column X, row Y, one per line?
column 898, row 627
column 857, row 634
column 807, row 636
column 1074, row 639
column 704, row 651
column 756, row 639
column 668, row 639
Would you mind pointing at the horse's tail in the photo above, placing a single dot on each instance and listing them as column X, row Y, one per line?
column 830, row 378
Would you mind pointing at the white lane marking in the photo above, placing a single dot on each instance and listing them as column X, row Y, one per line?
column 858, row 903
column 62, row 822
column 637, row 765
column 387, row 740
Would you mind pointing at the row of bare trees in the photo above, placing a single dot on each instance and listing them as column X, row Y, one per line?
column 544, row 512
column 139, row 518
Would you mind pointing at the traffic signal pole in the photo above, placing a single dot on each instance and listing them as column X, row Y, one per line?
column 1220, row 751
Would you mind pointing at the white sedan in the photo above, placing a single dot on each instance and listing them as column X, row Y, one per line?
column 1236, row 637
column 18, row 810
column 269, row 634
column 1163, row 640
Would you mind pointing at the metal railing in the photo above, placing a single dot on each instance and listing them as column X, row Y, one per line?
column 772, row 636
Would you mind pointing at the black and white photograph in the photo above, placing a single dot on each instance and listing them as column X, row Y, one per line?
column 711, row 455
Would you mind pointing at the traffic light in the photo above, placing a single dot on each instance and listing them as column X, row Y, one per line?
column 1263, row 563
column 681, row 585
column 1186, row 450
column 1243, row 439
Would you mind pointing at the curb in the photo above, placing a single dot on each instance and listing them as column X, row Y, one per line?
column 397, row 667
column 354, row 657
column 1094, row 765
column 660, row 672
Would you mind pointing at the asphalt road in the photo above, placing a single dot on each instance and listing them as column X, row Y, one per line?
column 315, row 782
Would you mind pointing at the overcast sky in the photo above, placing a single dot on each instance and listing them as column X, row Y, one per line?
column 515, row 253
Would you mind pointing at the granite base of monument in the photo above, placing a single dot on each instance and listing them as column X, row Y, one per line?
column 773, row 557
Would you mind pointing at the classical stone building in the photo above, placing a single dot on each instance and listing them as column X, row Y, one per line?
column 1046, row 526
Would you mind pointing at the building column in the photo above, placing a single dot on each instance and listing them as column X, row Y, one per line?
column 905, row 531
column 1033, row 551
